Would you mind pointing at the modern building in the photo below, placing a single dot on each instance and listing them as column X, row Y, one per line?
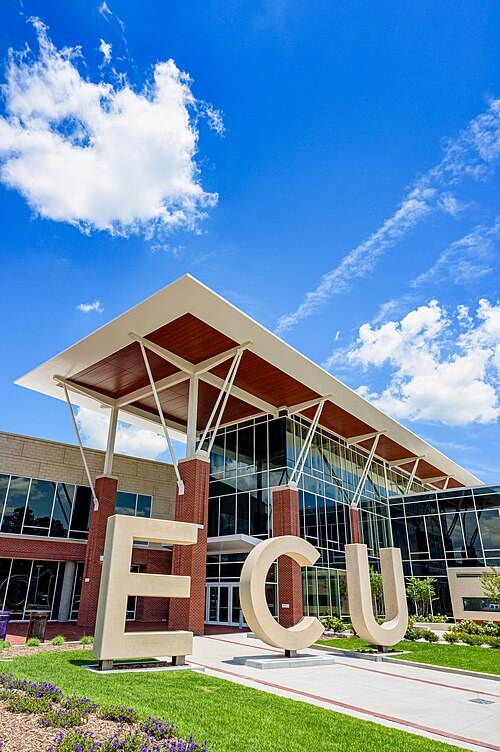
column 274, row 445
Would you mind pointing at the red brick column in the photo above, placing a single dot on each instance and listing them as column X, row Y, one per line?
column 192, row 506
column 286, row 521
column 151, row 561
column 355, row 525
column 105, row 489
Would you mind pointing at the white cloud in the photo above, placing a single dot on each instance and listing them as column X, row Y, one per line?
column 466, row 260
column 130, row 440
column 444, row 367
column 104, row 10
column 102, row 156
column 105, row 48
column 95, row 307
column 473, row 153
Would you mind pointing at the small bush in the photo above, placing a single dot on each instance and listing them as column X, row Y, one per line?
column 450, row 637
column 431, row 619
column 473, row 639
column 429, row 635
column 83, row 704
column 412, row 634
column 12, row 682
column 5, row 644
column 62, row 717
column 46, row 690
column 490, row 628
column 27, row 704
column 119, row 713
column 71, row 741
column 58, row 640
column 33, row 642
column 86, row 640
column 494, row 642
column 158, row 728
column 467, row 627
column 333, row 624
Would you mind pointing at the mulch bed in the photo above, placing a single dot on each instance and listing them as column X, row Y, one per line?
column 21, row 732
column 21, row 650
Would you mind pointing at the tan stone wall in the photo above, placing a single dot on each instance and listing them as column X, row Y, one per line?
column 50, row 460
column 465, row 582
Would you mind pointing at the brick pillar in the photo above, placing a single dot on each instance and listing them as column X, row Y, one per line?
column 153, row 610
column 192, row 506
column 105, row 490
column 355, row 525
column 286, row 521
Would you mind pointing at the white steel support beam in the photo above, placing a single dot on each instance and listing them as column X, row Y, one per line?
column 405, row 461
column 180, row 484
column 146, row 391
column 301, row 459
column 220, row 405
column 192, row 417
column 261, row 405
column 364, row 474
column 412, row 475
column 181, row 363
column 85, row 391
column 299, row 408
column 80, row 446
column 364, row 437
column 207, row 365
column 437, row 479
column 110, row 445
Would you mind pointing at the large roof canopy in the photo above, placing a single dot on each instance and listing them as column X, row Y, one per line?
column 189, row 328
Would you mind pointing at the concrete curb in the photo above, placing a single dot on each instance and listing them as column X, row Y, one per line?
column 381, row 658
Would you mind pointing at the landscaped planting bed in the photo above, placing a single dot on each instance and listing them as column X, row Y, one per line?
column 38, row 715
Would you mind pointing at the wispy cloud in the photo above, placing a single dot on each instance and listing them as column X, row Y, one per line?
column 105, row 48
column 104, row 10
column 473, row 153
column 94, row 307
column 100, row 155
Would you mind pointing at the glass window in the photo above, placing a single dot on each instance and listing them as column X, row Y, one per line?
column 434, row 537
column 80, row 518
column 227, row 515
column 277, row 443
column 243, row 513
column 125, row 503
column 4, row 484
column 15, row 505
column 39, row 509
column 472, row 540
column 452, row 533
column 143, row 506
column 489, row 524
column 17, row 588
column 258, row 515
column 61, row 514
column 42, row 586
column 213, row 517
column 245, row 451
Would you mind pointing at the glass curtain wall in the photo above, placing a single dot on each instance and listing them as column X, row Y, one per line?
column 252, row 457
column 456, row 528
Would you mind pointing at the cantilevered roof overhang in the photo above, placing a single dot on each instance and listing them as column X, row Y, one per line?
column 189, row 328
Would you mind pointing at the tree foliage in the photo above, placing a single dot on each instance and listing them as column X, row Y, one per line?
column 490, row 581
column 377, row 589
column 421, row 592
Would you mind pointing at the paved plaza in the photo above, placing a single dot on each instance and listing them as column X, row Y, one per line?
column 438, row 705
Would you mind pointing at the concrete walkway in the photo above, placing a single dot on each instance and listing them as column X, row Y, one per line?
column 418, row 700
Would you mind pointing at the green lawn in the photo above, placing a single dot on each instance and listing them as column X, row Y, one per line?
column 233, row 718
column 468, row 657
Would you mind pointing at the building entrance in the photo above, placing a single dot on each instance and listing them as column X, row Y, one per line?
column 223, row 604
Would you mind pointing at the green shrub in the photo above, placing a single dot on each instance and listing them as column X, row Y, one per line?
column 450, row 637
column 490, row 628
column 33, row 642
column 412, row 634
column 333, row 624
column 429, row 635
column 58, row 640
column 119, row 713
column 467, row 627
column 473, row 639
column 5, row 644
column 86, row 640
column 431, row 619
column 27, row 704
column 493, row 641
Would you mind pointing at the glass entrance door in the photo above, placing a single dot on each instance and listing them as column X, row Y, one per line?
column 223, row 605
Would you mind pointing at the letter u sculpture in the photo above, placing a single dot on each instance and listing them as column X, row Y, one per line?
column 360, row 597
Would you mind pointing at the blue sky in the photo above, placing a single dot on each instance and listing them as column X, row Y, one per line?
column 332, row 169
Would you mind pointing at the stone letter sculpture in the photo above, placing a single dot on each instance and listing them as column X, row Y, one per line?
column 360, row 597
column 118, row 582
column 253, row 593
